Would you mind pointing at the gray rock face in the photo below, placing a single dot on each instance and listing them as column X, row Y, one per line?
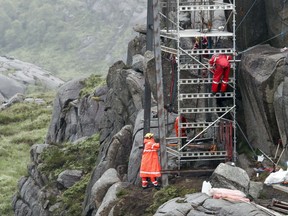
column 73, row 117
column 275, row 23
column 30, row 202
column 9, row 87
column 112, row 155
column 102, row 185
column 22, row 74
column 231, row 177
column 261, row 72
column 281, row 112
column 31, row 197
column 110, row 198
column 255, row 189
column 68, row 178
column 17, row 98
column 253, row 21
column 200, row 204
column 135, row 46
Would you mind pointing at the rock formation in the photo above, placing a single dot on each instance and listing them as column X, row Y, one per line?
column 262, row 75
column 118, row 116
column 16, row 76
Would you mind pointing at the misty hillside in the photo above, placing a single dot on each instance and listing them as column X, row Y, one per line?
column 69, row 38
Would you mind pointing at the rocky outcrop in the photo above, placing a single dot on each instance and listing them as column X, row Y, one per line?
column 102, row 185
column 75, row 117
column 30, row 199
column 68, row 178
column 200, row 204
column 262, row 85
column 231, row 177
column 115, row 111
column 111, row 199
column 16, row 76
column 9, row 88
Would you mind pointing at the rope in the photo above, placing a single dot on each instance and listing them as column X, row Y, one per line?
column 282, row 21
column 282, row 33
column 245, row 15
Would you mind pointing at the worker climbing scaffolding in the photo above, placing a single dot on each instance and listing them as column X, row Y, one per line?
column 198, row 67
column 221, row 70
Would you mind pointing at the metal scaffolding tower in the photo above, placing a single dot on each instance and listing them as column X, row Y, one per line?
column 209, row 118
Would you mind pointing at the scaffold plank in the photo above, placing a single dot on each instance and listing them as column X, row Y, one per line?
column 193, row 66
column 189, row 96
column 195, row 124
column 169, row 50
column 200, row 81
column 173, row 34
column 205, row 110
column 198, row 33
column 207, row 51
column 206, row 7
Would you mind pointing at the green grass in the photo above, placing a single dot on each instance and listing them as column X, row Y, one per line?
column 21, row 125
column 81, row 156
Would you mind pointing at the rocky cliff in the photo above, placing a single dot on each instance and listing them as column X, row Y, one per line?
column 115, row 112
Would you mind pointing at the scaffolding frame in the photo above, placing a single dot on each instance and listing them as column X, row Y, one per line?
column 190, row 64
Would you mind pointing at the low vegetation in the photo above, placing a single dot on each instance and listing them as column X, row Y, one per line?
column 90, row 83
column 80, row 156
column 21, row 125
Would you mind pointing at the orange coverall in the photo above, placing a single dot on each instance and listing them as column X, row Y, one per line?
column 176, row 124
column 221, row 70
column 150, row 166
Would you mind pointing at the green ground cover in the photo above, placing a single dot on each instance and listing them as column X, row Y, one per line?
column 21, row 125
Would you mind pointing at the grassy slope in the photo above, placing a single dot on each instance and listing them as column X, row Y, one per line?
column 21, row 125
column 65, row 37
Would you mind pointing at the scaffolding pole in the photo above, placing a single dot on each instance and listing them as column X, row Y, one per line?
column 147, row 90
column 160, row 99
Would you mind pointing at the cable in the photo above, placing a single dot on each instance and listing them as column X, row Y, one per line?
column 245, row 15
column 282, row 33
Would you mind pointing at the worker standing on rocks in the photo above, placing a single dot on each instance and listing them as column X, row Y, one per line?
column 150, row 166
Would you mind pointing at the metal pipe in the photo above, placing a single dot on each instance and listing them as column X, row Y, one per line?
column 160, row 99
column 279, row 202
column 147, row 90
column 207, row 127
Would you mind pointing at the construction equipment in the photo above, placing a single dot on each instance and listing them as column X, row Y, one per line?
column 205, row 112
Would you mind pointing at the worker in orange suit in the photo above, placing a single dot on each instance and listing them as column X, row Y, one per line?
column 221, row 70
column 150, row 166
column 183, row 134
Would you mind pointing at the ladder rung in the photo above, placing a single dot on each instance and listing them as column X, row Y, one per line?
column 207, row 51
column 195, row 124
column 190, row 96
column 205, row 110
column 173, row 34
column 193, row 66
column 202, row 154
column 206, row 7
column 169, row 50
column 200, row 81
